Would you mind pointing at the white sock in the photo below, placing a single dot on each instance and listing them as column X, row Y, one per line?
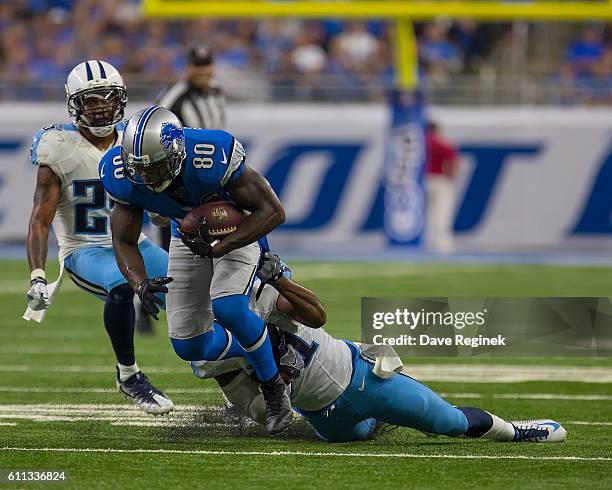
column 500, row 431
column 126, row 371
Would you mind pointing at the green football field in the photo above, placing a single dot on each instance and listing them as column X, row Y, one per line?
column 59, row 409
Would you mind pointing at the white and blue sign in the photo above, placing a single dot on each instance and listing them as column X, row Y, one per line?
column 527, row 178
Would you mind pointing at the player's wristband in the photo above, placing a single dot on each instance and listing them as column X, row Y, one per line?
column 38, row 274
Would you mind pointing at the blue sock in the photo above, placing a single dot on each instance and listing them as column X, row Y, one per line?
column 210, row 346
column 119, row 319
column 479, row 421
column 234, row 314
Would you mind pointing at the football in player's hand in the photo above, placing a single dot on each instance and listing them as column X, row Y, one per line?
column 222, row 218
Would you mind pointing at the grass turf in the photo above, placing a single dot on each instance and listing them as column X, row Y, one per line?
column 69, row 361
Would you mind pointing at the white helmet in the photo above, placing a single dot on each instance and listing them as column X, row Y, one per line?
column 96, row 96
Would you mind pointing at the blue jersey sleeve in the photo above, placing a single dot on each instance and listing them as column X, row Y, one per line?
column 216, row 155
column 112, row 175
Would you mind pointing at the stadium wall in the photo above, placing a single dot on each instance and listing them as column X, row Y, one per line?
column 529, row 178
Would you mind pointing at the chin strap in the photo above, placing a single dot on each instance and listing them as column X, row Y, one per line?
column 101, row 132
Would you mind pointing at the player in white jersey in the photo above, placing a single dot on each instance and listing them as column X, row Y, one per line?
column 344, row 389
column 69, row 194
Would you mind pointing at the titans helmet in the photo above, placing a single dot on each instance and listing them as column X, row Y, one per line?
column 153, row 148
column 96, row 96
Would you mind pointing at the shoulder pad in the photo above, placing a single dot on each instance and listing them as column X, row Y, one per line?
column 45, row 149
column 113, row 176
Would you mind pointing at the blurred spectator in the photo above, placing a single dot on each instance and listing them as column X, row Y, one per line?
column 439, row 56
column 327, row 58
column 309, row 58
column 586, row 52
column 441, row 166
column 597, row 87
column 356, row 48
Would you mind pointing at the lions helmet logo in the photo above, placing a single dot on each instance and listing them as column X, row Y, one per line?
column 171, row 136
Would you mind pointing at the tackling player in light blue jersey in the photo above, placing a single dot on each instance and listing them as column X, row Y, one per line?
column 165, row 169
column 344, row 389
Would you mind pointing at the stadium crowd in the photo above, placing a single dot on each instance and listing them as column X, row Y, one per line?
column 40, row 40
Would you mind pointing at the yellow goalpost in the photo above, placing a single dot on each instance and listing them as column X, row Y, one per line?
column 403, row 12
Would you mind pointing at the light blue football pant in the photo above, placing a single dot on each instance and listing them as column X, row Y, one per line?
column 399, row 400
column 95, row 269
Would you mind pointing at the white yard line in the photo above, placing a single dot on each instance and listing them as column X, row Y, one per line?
column 128, row 415
column 8, row 424
column 44, row 389
column 526, row 396
column 468, row 373
column 119, row 415
column 207, row 391
column 304, row 453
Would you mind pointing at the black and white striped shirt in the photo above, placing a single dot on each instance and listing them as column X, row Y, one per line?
column 194, row 108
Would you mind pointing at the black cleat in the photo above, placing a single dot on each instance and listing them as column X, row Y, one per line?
column 144, row 395
column 278, row 405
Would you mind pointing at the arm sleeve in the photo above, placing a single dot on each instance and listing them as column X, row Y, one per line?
column 244, row 392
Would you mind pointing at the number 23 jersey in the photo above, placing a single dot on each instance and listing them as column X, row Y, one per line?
column 83, row 213
column 214, row 161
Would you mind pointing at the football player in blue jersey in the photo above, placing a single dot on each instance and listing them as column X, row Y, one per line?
column 166, row 169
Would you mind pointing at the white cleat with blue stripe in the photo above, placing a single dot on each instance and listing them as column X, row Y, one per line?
column 538, row 431
column 144, row 395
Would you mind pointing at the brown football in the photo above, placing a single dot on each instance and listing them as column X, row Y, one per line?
column 222, row 218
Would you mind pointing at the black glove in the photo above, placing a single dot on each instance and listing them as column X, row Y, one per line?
column 146, row 292
column 200, row 244
column 271, row 269
column 290, row 362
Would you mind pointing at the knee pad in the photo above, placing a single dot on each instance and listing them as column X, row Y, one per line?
column 121, row 294
column 200, row 348
column 231, row 310
column 188, row 349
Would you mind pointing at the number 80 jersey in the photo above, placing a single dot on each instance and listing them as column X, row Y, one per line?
column 213, row 163
column 83, row 213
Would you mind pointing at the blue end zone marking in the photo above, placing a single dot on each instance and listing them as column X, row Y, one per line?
column 102, row 71
column 9, row 145
column 137, row 149
column 88, row 69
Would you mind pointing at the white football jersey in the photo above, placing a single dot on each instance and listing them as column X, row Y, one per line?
column 83, row 214
column 328, row 361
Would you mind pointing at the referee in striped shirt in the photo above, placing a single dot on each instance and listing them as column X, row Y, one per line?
column 197, row 100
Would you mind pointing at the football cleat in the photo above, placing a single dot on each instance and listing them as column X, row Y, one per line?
column 278, row 406
column 144, row 395
column 538, row 431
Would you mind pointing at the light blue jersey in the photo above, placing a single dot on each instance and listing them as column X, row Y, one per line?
column 82, row 219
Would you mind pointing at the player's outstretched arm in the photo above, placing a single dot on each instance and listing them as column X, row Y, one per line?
column 299, row 303
column 126, row 224
column 253, row 193
column 46, row 199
